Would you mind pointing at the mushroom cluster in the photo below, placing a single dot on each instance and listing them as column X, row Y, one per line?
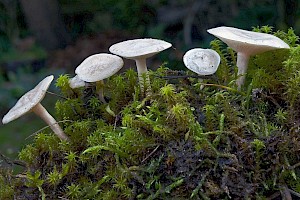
column 100, row 66
column 95, row 68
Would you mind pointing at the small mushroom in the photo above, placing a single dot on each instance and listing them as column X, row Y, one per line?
column 246, row 44
column 139, row 50
column 202, row 61
column 31, row 102
column 76, row 82
column 98, row 67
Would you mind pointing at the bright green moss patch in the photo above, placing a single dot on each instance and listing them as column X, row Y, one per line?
column 187, row 139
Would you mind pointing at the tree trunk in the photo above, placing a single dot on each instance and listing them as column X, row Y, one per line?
column 45, row 22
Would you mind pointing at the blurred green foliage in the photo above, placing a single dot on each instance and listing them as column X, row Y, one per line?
column 8, row 24
column 127, row 15
column 12, row 32
column 156, row 18
column 184, row 23
column 144, row 18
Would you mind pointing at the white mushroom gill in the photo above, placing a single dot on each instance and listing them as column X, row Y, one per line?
column 202, row 61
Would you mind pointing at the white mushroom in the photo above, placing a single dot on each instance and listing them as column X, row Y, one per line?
column 202, row 61
column 139, row 50
column 98, row 67
column 31, row 102
column 246, row 44
column 76, row 82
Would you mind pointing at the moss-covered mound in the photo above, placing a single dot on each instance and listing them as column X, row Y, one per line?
column 189, row 138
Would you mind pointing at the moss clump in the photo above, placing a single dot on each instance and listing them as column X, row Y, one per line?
column 6, row 190
column 182, row 141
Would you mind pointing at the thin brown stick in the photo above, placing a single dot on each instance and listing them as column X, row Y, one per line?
column 149, row 155
column 285, row 193
column 187, row 76
column 295, row 166
column 294, row 193
column 45, row 127
column 52, row 93
column 12, row 162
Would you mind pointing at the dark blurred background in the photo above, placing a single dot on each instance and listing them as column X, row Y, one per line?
column 42, row 37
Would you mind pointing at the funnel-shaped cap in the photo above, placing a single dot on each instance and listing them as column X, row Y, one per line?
column 248, row 42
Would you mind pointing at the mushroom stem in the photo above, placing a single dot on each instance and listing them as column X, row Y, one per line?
column 141, row 66
column 44, row 114
column 99, row 88
column 242, row 64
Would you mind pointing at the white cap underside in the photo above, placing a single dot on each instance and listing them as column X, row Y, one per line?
column 28, row 100
column 202, row 61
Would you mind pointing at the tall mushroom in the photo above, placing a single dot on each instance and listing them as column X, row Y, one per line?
column 31, row 102
column 139, row 50
column 246, row 44
column 202, row 61
column 98, row 67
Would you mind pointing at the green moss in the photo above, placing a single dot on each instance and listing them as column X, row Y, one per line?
column 6, row 189
column 187, row 139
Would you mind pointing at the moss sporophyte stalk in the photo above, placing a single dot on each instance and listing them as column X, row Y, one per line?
column 191, row 137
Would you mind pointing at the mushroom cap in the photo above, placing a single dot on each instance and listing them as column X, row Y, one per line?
column 76, row 82
column 202, row 61
column 247, row 42
column 28, row 100
column 139, row 48
column 98, row 67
